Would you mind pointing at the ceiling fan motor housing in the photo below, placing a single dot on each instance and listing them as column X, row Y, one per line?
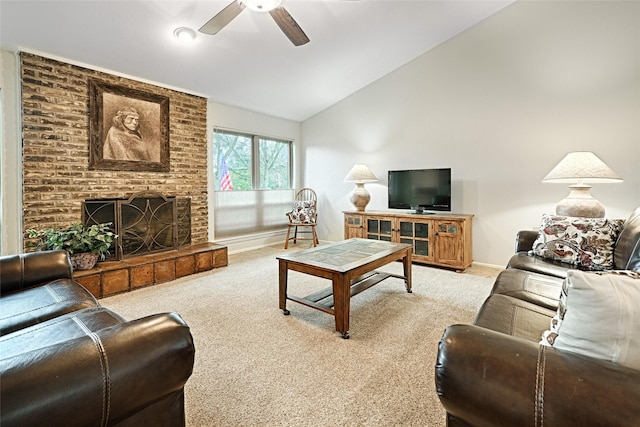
column 285, row 21
column 262, row 5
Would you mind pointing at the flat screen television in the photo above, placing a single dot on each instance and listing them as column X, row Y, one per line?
column 420, row 189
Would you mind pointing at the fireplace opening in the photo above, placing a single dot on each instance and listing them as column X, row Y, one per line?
column 145, row 223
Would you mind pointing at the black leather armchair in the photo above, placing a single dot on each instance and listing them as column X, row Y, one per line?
column 65, row 360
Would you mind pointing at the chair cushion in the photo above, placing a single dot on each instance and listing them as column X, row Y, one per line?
column 540, row 289
column 303, row 212
column 77, row 324
column 586, row 243
column 30, row 306
column 514, row 317
column 599, row 316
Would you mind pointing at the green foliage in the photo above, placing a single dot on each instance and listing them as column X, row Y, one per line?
column 75, row 239
column 272, row 165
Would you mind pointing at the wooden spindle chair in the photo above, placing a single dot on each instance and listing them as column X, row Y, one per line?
column 303, row 215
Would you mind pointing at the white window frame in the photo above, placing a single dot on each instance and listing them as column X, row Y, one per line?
column 241, row 213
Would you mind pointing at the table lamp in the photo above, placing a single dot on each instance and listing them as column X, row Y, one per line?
column 360, row 174
column 581, row 167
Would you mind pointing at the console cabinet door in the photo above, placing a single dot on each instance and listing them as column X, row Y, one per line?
column 419, row 234
column 380, row 228
column 449, row 243
column 353, row 226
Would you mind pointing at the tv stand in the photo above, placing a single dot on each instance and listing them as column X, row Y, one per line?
column 439, row 239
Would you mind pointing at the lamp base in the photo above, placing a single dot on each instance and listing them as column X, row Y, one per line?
column 580, row 203
column 360, row 197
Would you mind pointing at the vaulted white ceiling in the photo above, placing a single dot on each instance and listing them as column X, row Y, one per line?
column 250, row 63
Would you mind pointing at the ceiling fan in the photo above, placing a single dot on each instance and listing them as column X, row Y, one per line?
column 285, row 21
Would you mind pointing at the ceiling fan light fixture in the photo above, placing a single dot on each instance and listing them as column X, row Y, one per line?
column 262, row 5
column 184, row 34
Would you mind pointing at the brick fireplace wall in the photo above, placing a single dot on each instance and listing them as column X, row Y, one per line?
column 56, row 175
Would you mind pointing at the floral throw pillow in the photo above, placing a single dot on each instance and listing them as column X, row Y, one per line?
column 303, row 212
column 586, row 243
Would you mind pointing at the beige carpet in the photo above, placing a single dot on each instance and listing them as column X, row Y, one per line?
column 256, row 367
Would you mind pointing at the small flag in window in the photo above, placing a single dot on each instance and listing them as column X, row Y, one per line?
column 225, row 177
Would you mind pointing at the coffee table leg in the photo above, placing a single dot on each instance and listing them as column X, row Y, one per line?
column 341, row 303
column 282, row 279
column 406, row 265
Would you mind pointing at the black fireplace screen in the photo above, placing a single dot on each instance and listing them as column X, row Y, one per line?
column 145, row 223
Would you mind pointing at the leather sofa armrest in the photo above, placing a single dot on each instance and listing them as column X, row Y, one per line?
column 30, row 269
column 488, row 378
column 525, row 239
column 98, row 379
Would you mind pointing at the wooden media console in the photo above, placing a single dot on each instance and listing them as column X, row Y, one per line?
column 437, row 239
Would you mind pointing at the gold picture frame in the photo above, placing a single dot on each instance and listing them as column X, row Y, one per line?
column 128, row 129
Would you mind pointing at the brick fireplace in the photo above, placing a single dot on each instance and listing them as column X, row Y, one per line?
column 57, row 180
column 56, row 175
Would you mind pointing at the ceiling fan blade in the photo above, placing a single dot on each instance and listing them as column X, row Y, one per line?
column 223, row 17
column 289, row 26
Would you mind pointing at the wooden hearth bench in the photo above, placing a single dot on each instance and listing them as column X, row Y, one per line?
column 114, row 277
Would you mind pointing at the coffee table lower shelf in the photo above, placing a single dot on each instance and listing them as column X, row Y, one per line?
column 323, row 300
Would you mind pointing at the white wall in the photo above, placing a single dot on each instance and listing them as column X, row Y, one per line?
column 232, row 118
column 500, row 104
column 10, row 157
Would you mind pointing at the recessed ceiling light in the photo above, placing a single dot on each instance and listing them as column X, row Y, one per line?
column 184, row 34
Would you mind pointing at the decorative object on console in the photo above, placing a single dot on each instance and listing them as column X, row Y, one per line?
column 580, row 168
column 360, row 174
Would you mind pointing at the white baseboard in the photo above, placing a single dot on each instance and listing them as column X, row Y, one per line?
column 484, row 264
column 254, row 241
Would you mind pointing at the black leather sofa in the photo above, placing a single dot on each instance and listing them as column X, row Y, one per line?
column 494, row 372
column 67, row 361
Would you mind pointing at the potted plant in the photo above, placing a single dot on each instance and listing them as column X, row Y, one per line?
column 86, row 245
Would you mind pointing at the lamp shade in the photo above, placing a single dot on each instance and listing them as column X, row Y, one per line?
column 580, row 168
column 360, row 173
column 583, row 167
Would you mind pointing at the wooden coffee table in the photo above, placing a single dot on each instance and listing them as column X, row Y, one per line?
column 350, row 265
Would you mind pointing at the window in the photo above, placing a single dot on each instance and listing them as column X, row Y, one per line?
column 252, row 183
column 250, row 162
